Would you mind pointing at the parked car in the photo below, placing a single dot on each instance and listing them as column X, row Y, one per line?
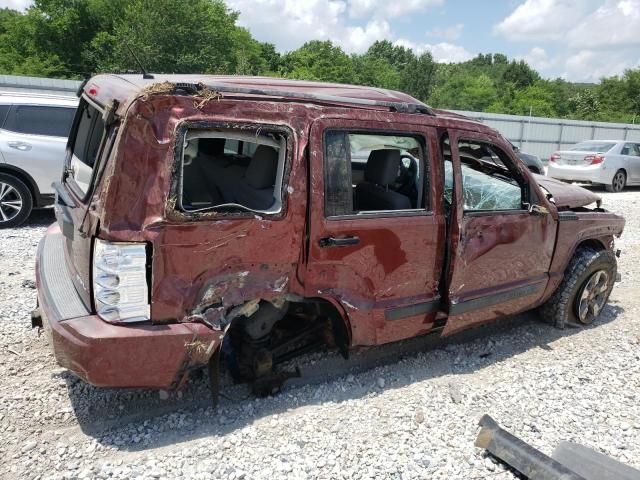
column 33, row 136
column 232, row 222
column 532, row 162
column 612, row 163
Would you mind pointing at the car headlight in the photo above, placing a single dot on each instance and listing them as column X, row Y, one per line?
column 120, row 288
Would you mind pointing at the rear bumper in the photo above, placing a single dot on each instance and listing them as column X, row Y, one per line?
column 588, row 174
column 108, row 355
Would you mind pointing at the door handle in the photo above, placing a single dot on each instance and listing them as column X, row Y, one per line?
column 339, row 242
column 22, row 146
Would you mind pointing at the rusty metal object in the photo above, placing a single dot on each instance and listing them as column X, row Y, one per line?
column 592, row 465
column 527, row 460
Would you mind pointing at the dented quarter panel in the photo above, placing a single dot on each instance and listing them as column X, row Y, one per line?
column 576, row 228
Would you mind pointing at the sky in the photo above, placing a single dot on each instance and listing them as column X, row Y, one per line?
column 579, row 40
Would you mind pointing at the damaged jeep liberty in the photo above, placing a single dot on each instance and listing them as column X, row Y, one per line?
column 236, row 222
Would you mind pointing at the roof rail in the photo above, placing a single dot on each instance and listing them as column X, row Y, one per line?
column 401, row 107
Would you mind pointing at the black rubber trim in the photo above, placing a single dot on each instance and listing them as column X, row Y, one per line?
column 567, row 216
column 488, row 300
column 398, row 313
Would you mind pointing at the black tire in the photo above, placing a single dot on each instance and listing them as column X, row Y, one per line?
column 16, row 202
column 618, row 182
column 534, row 170
column 563, row 307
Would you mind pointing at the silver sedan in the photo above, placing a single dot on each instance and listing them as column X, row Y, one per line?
column 612, row 163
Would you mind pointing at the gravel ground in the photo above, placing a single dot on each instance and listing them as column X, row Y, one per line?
column 412, row 417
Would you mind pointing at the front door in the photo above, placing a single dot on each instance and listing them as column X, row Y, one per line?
column 501, row 248
column 376, row 229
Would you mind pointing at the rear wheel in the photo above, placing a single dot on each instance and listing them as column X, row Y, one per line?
column 16, row 201
column 618, row 183
column 584, row 291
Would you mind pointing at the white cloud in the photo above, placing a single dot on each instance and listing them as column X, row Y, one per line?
column 290, row 23
column 16, row 4
column 389, row 9
column 544, row 19
column 448, row 33
column 538, row 58
column 442, row 52
column 613, row 24
column 591, row 65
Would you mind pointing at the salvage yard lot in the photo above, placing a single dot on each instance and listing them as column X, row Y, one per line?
column 414, row 416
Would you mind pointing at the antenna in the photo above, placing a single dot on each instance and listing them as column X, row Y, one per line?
column 145, row 75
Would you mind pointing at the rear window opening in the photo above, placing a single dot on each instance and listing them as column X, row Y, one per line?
column 86, row 143
column 232, row 170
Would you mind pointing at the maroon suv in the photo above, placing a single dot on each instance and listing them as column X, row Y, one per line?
column 208, row 220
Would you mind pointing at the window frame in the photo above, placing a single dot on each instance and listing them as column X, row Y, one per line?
column 109, row 136
column 15, row 106
column 525, row 187
column 422, row 140
column 175, row 190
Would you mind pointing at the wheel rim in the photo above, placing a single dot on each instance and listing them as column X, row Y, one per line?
column 618, row 181
column 10, row 202
column 593, row 296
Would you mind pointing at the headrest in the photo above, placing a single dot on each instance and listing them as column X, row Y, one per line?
column 261, row 172
column 211, row 146
column 382, row 166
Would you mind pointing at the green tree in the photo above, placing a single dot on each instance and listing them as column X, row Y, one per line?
column 317, row 60
column 417, row 77
column 585, row 105
column 375, row 72
column 520, row 74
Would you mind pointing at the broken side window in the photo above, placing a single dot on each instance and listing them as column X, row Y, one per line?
column 232, row 170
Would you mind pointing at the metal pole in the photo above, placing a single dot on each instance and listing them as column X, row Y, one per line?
column 560, row 136
column 521, row 132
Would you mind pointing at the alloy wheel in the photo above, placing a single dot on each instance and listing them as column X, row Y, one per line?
column 618, row 182
column 593, row 296
column 10, row 202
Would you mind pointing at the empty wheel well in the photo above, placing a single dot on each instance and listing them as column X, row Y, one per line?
column 25, row 178
column 592, row 243
column 272, row 333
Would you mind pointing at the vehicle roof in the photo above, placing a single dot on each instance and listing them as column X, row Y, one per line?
column 125, row 88
column 129, row 84
column 37, row 99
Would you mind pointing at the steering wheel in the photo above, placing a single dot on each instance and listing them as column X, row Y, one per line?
column 407, row 172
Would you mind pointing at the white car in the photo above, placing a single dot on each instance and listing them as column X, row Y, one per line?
column 33, row 140
column 612, row 163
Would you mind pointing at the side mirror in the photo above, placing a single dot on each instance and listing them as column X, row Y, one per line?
column 536, row 209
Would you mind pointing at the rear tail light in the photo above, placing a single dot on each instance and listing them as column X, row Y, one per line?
column 554, row 157
column 120, row 289
column 594, row 159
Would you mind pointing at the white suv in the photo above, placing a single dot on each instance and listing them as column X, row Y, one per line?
column 33, row 139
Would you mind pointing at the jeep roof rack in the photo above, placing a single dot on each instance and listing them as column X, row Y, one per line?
column 401, row 107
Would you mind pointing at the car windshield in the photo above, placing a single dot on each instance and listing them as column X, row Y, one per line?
column 593, row 147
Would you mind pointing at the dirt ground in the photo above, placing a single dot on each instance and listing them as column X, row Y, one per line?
column 406, row 411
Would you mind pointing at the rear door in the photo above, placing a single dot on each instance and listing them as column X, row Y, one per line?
column 77, row 221
column 34, row 139
column 500, row 252
column 381, row 264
